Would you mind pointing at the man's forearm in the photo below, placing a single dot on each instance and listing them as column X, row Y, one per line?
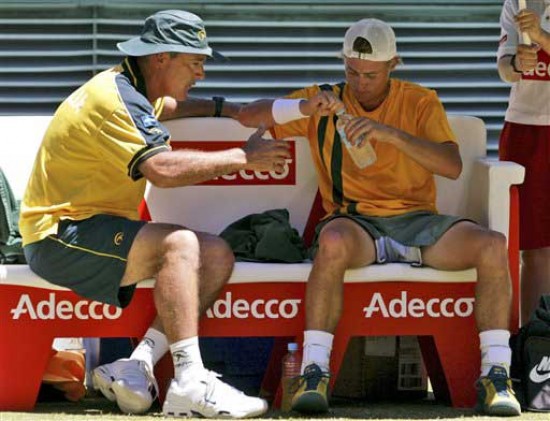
column 198, row 107
column 188, row 167
column 257, row 113
column 439, row 158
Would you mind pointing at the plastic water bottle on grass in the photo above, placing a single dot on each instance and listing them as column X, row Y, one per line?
column 292, row 365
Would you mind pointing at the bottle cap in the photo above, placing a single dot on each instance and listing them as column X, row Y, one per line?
column 292, row 346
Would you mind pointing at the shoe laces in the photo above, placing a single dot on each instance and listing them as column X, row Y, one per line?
column 501, row 385
column 500, row 379
column 312, row 377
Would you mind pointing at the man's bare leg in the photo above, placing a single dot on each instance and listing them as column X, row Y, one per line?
column 342, row 244
column 190, row 269
column 213, row 277
column 467, row 245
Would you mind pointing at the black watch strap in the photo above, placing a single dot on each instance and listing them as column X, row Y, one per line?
column 513, row 62
column 218, row 103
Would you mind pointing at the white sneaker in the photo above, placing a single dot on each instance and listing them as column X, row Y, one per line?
column 211, row 398
column 129, row 383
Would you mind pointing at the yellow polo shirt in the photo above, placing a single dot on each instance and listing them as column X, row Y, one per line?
column 394, row 184
column 88, row 161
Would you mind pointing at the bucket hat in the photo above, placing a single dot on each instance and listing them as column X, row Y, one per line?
column 170, row 31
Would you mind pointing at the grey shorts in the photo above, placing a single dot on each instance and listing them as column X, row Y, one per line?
column 88, row 257
column 398, row 238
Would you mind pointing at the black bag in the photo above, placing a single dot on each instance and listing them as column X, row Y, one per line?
column 11, row 250
column 531, row 359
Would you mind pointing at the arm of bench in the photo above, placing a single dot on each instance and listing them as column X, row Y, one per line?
column 491, row 187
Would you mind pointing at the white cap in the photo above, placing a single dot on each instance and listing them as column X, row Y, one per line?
column 370, row 39
column 292, row 346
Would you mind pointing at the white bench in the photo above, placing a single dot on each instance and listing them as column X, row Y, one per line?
column 265, row 299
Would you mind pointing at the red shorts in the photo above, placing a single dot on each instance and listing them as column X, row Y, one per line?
column 530, row 146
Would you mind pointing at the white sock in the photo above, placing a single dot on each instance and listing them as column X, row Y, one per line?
column 152, row 348
column 495, row 350
column 187, row 358
column 317, row 349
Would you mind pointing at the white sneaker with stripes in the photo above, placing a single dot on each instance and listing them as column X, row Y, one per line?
column 207, row 396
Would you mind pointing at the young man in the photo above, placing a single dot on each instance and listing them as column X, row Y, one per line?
column 524, row 138
column 386, row 212
column 79, row 216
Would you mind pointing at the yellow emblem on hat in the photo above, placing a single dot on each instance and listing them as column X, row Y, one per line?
column 201, row 34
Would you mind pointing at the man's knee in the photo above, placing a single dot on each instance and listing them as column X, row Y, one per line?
column 181, row 242
column 493, row 248
column 333, row 244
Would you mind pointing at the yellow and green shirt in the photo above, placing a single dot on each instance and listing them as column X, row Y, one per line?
column 88, row 161
column 395, row 183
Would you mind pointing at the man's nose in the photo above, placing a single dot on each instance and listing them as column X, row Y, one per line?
column 199, row 73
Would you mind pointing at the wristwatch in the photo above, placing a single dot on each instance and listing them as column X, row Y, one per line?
column 218, row 102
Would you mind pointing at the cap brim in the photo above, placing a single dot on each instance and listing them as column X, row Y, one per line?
column 135, row 47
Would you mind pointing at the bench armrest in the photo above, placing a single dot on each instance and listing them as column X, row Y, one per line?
column 491, row 182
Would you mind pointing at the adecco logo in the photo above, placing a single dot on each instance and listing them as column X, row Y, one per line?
column 287, row 177
column 65, row 310
column 226, row 308
column 541, row 70
column 416, row 307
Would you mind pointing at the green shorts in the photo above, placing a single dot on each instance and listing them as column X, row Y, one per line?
column 88, row 257
column 398, row 238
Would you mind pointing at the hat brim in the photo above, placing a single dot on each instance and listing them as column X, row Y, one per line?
column 135, row 47
column 369, row 57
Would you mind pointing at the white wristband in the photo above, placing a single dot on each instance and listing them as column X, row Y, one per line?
column 285, row 110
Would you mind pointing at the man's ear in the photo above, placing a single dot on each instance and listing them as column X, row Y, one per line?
column 160, row 58
column 394, row 62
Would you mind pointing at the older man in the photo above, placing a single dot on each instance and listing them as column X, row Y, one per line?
column 79, row 214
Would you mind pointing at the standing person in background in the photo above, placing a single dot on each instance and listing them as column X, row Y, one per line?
column 80, row 224
column 525, row 138
column 385, row 212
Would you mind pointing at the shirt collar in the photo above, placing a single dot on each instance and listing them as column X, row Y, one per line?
column 131, row 70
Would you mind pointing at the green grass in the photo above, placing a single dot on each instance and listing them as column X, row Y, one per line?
column 94, row 408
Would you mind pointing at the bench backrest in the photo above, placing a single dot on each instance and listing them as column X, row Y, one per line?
column 19, row 140
column 213, row 206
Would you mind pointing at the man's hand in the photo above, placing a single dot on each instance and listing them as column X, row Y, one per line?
column 265, row 154
column 324, row 103
column 526, row 57
column 529, row 22
column 362, row 129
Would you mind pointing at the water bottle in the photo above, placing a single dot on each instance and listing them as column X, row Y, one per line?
column 363, row 155
column 292, row 365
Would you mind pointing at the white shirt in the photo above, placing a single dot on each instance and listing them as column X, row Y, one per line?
column 530, row 96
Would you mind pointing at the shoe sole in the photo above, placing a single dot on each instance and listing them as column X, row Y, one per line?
column 499, row 410
column 504, row 411
column 170, row 410
column 103, row 382
column 128, row 401
column 310, row 403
